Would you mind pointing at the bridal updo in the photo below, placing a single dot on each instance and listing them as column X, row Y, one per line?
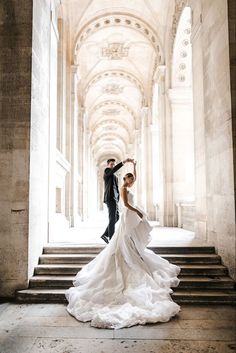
column 128, row 175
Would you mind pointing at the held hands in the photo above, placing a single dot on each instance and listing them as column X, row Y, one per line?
column 130, row 160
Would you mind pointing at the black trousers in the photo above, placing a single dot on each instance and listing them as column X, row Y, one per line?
column 113, row 213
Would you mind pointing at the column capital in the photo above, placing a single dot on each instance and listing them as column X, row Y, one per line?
column 159, row 74
column 75, row 77
column 144, row 110
column 75, row 69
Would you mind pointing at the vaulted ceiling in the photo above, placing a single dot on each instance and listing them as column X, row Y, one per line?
column 117, row 45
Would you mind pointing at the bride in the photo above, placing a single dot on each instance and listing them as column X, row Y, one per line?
column 125, row 284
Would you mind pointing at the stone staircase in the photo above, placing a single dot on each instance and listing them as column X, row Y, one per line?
column 203, row 278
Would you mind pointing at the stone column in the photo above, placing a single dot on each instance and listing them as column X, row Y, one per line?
column 15, row 92
column 24, row 99
column 101, row 187
column 199, row 124
column 149, row 167
column 137, row 156
column 80, row 160
column 215, row 204
column 143, row 157
column 98, row 188
column 60, row 82
column 74, row 147
column 182, row 146
column 156, row 189
column 232, row 58
column 53, row 229
column 85, row 166
column 165, row 147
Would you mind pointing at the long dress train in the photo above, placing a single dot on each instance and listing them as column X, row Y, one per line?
column 125, row 284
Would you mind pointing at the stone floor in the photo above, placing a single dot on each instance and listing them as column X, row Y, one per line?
column 38, row 328
column 89, row 232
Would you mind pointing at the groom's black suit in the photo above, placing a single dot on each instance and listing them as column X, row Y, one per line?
column 111, row 198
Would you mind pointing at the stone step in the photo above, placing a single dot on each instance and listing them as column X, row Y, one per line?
column 226, row 296
column 66, row 258
column 185, row 282
column 206, row 282
column 73, row 249
column 72, row 269
column 51, row 281
column 173, row 258
column 203, row 279
column 84, row 249
column 204, row 270
column 57, row 269
column 43, row 295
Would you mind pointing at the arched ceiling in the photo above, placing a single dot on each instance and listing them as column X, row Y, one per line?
column 117, row 45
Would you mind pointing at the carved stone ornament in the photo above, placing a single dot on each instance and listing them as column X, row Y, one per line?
column 112, row 88
column 111, row 112
column 179, row 6
column 115, row 51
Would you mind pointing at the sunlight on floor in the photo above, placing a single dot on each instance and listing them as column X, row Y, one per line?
column 89, row 232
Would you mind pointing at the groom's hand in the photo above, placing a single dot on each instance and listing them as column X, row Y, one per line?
column 128, row 160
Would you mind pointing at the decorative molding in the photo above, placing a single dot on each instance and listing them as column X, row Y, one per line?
column 113, row 102
column 181, row 60
column 119, row 74
column 159, row 74
column 179, row 6
column 112, row 88
column 115, row 51
column 108, row 145
column 120, row 19
column 110, row 123
column 106, row 136
column 109, row 128
column 111, row 112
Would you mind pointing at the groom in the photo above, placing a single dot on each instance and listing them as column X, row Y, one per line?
column 111, row 195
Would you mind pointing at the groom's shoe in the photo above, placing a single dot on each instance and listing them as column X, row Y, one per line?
column 103, row 237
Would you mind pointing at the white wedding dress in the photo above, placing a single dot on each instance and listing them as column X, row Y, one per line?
column 125, row 284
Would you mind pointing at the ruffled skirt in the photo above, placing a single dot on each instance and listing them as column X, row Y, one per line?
column 125, row 284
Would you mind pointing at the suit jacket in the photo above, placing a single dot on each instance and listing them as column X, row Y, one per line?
column 111, row 190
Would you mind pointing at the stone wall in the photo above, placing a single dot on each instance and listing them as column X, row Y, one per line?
column 15, row 96
column 24, row 123
column 39, row 138
column 215, row 210
column 232, row 53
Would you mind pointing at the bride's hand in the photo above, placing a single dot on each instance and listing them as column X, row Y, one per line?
column 140, row 214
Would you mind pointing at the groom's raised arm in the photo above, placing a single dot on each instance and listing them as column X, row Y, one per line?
column 110, row 171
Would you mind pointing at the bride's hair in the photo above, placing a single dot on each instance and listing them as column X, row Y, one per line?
column 129, row 175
